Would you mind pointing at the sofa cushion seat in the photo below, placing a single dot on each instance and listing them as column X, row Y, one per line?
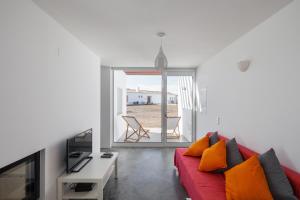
column 199, row 185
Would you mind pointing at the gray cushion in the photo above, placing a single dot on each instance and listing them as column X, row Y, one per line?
column 279, row 184
column 233, row 154
column 213, row 139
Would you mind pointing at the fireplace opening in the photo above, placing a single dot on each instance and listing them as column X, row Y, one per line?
column 21, row 179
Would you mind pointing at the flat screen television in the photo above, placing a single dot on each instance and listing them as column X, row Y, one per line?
column 79, row 148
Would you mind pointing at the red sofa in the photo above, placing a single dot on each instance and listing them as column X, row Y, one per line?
column 210, row 186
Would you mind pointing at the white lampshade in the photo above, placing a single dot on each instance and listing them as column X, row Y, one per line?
column 161, row 61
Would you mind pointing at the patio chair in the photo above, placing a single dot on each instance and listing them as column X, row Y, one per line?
column 172, row 124
column 137, row 128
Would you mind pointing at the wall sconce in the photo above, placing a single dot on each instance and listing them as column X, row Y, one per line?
column 244, row 65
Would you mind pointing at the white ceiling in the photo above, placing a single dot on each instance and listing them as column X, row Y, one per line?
column 123, row 32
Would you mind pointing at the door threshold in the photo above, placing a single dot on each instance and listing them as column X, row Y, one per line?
column 151, row 145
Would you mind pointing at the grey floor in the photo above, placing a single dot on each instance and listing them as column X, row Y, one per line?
column 145, row 174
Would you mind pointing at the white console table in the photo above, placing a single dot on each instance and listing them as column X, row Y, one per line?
column 97, row 171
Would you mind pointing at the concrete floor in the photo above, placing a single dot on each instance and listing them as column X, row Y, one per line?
column 145, row 174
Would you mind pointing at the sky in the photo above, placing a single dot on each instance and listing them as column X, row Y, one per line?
column 151, row 82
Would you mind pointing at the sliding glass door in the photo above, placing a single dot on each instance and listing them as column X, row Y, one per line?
column 180, row 107
column 137, row 106
column 153, row 108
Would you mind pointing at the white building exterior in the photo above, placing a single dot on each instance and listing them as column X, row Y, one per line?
column 148, row 97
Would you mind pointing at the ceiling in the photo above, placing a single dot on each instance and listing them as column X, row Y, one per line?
column 123, row 32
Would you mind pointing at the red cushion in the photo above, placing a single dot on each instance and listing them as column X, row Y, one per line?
column 199, row 185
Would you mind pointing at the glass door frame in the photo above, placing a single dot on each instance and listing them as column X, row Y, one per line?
column 164, row 76
column 181, row 72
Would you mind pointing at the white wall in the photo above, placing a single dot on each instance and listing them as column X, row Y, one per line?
column 49, row 86
column 261, row 106
column 119, row 123
column 133, row 97
column 185, row 106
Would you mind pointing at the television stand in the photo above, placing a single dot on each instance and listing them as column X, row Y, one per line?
column 97, row 171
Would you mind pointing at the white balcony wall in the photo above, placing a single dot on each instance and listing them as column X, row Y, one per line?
column 185, row 106
column 119, row 103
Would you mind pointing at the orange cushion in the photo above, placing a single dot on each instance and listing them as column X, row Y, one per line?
column 247, row 181
column 197, row 148
column 214, row 157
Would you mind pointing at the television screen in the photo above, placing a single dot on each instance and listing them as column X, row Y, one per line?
column 79, row 148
